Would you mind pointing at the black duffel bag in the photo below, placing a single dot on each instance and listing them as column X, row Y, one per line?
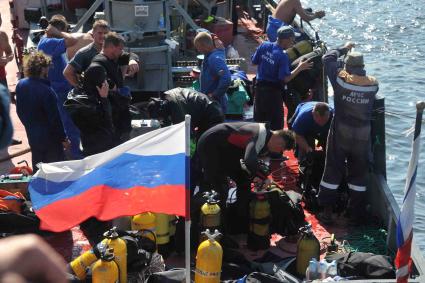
column 363, row 265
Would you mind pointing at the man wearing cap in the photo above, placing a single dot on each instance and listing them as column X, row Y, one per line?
column 349, row 137
column 284, row 15
column 272, row 74
column 54, row 44
column 215, row 75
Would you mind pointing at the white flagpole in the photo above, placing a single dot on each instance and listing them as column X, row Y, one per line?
column 188, row 194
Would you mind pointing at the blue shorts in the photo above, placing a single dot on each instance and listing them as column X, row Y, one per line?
column 272, row 26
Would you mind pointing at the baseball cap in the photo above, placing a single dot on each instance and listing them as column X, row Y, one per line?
column 286, row 32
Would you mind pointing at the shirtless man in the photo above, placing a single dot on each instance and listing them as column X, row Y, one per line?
column 6, row 55
column 285, row 13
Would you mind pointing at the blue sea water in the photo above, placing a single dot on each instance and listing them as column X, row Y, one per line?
column 391, row 34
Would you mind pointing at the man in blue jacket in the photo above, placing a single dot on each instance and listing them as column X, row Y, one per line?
column 215, row 75
column 272, row 74
column 349, row 137
column 55, row 44
column 311, row 122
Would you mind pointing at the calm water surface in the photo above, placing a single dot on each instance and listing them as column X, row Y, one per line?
column 391, row 34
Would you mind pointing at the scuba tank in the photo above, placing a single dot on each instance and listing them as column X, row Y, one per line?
column 162, row 232
column 300, row 48
column 210, row 214
column 209, row 259
column 105, row 270
column 120, row 251
column 144, row 221
column 80, row 265
column 259, row 223
column 308, row 247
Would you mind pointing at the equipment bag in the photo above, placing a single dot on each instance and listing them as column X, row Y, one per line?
column 175, row 275
column 258, row 277
column 364, row 265
column 287, row 212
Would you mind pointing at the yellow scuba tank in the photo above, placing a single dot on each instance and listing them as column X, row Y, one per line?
column 144, row 221
column 105, row 270
column 80, row 265
column 300, row 48
column 209, row 259
column 308, row 247
column 162, row 231
column 120, row 252
column 210, row 214
column 259, row 223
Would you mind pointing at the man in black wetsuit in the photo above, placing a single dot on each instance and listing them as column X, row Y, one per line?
column 112, row 58
column 178, row 102
column 233, row 150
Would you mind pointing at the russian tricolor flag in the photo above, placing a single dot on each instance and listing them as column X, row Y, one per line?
column 404, row 234
column 147, row 173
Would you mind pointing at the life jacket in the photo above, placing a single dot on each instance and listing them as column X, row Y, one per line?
column 11, row 202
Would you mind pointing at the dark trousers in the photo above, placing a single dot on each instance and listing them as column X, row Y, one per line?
column 350, row 158
column 268, row 105
column 217, row 166
column 52, row 154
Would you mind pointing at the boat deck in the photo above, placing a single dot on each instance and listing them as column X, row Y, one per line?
column 70, row 244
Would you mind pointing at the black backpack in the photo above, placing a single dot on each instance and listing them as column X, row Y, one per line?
column 363, row 265
column 287, row 212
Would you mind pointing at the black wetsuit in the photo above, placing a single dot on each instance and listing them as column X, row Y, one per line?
column 222, row 147
column 120, row 104
column 204, row 112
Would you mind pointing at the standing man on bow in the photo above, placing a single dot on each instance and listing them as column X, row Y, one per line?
column 349, row 137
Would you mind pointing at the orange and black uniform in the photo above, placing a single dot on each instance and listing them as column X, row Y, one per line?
column 348, row 145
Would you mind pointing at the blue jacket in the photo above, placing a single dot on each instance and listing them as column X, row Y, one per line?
column 273, row 62
column 36, row 105
column 56, row 48
column 303, row 122
column 215, row 76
